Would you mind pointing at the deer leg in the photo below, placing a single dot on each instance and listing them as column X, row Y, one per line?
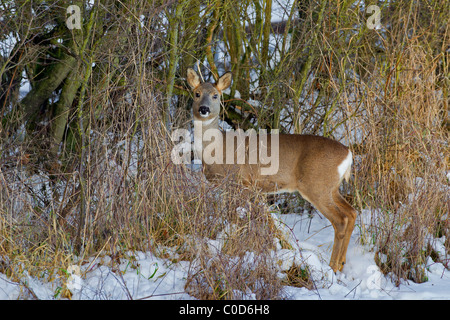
column 342, row 216
column 336, row 261
column 351, row 214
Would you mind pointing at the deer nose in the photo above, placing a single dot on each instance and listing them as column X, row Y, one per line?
column 203, row 110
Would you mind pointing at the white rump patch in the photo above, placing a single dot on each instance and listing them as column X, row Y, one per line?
column 345, row 165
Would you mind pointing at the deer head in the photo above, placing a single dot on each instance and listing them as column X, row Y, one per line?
column 206, row 104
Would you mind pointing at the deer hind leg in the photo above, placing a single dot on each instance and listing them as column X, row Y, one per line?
column 342, row 216
column 351, row 214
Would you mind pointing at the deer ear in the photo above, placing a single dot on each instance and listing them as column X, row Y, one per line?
column 224, row 81
column 192, row 78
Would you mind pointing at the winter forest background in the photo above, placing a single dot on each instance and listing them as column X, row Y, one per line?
column 87, row 111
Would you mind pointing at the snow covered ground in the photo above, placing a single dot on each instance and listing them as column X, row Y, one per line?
column 360, row 278
column 145, row 276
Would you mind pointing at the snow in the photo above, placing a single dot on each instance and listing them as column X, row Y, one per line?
column 142, row 275
column 360, row 278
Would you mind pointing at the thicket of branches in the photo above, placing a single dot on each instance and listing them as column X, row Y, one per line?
column 85, row 152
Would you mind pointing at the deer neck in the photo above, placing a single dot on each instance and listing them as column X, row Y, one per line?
column 200, row 127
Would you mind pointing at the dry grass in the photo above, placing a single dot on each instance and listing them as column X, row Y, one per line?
column 382, row 91
column 135, row 198
column 402, row 174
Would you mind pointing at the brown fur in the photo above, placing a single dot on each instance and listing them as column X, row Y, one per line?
column 307, row 164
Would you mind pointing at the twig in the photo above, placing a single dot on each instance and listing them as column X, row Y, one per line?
column 160, row 295
column 353, row 289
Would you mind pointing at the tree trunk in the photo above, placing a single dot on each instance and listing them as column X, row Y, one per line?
column 173, row 60
column 53, row 78
column 62, row 110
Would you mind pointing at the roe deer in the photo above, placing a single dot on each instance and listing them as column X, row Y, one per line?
column 312, row 165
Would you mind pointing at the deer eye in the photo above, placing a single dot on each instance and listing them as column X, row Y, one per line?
column 215, row 96
column 197, row 94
